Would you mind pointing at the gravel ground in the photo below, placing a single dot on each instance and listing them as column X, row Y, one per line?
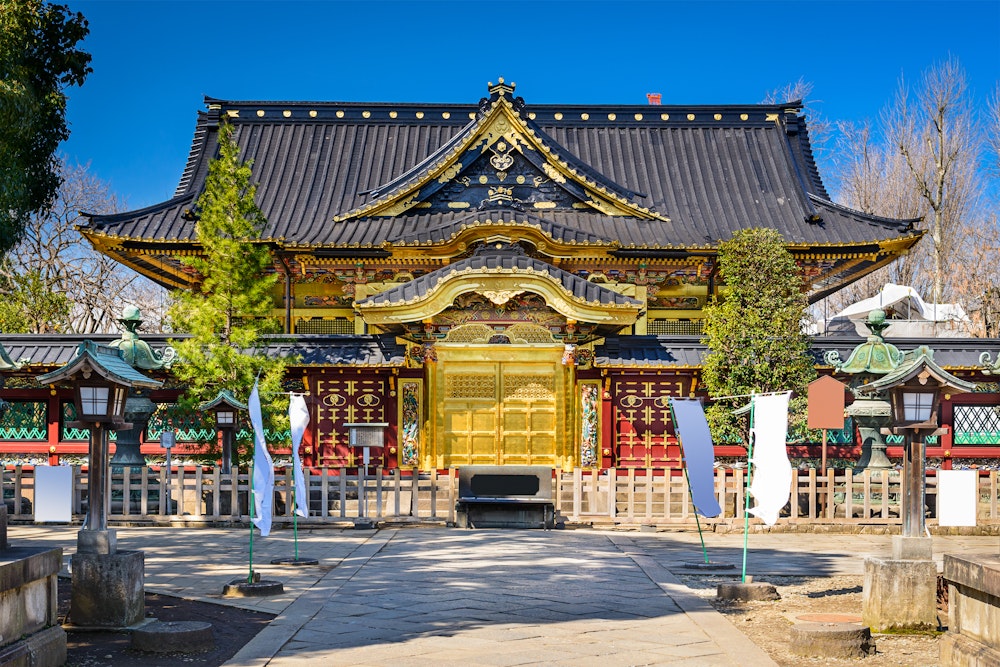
column 767, row 624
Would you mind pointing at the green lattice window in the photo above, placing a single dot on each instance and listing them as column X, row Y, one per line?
column 67, row 414
column 25, row 420
column 844, row 436
column 189, row 428
column 977, row 425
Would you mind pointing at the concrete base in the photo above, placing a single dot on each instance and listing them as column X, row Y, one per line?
column 831, row 640
column 912, row 548
column 42, row 649
column 749, row 591
column 899, row 595
column 107, row 590
column 973, row 637
column 241, row 588
column 96, row 542
column 29, row 631
column 174, row 637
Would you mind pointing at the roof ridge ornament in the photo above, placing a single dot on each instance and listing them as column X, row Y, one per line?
column 501, row 88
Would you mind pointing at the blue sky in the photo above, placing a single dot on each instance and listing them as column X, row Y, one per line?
column 155, row 60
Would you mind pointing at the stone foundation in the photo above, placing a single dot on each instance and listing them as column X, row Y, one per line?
column 30, row 634
column 899, row 595
column 107, row 590
column 973, row 638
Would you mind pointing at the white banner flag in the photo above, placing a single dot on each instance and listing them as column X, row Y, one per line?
column 263, row 468
column 699, row 453
column 772, row 472
column 298, row 417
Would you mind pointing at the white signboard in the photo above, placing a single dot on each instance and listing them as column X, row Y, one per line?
column 958, row 492
column 53, row 494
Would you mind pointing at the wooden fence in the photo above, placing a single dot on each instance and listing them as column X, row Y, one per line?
column 622, row 496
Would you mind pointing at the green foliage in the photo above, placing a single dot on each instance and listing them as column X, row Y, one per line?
column 229, row 311
column 754, row 332
column 38, row 59
column 28, row 305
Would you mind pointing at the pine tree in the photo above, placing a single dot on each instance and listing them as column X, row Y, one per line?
column 228, row 312
column 754, row 331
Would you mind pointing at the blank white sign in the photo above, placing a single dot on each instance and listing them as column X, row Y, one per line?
column 958, row 492
column 53, row 494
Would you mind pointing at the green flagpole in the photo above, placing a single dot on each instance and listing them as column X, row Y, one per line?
column 746, row 497
column 251, row 503
column 295, row 519
column 687, row 478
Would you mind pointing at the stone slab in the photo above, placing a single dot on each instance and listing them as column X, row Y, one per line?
column 899, row 595
column 831, row 640
column 42, row 649
column 174, row 637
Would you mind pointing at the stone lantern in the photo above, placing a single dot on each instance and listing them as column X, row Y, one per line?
column 107, row 584
column 138, row 409
column 872, row 359
column 226, row 409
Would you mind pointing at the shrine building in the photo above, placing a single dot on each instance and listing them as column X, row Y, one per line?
column 503, row 282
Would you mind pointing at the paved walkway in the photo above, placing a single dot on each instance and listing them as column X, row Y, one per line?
column 420, row 596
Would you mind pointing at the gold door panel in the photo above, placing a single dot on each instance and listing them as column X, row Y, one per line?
column 500, row 404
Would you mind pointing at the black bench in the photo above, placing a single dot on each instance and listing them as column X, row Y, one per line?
column 505, row 497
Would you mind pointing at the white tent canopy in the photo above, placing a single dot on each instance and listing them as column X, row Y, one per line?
column 902, row 302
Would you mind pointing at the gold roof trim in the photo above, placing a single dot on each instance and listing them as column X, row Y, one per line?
column 500, row 121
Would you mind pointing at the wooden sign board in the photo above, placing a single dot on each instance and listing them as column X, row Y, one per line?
column 826, row 403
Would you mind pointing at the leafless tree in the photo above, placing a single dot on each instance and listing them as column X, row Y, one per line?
column 936, row 133
column 97, row 286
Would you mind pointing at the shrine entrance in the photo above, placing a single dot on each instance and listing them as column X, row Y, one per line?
column 500, row 404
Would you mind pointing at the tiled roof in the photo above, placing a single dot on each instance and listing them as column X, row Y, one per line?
column 711, row 170
column 52, row 351
column 502, row 262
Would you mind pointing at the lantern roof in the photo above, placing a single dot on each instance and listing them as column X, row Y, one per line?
column 918, row 363
column 106, row 362
column 223, row 398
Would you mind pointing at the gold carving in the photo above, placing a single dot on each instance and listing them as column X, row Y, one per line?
column 558, row 116
column 366, row 114
column 528, row 387
column 551, row 172
column 458, row 204
column 340, row 114
column 771, row 117
column 585, row 116
column 545, row 204
column 501, row 161
column 260, row 113
column 368, row 400
column 612, row 116
column 531, row 116
column 233, row 113
column 744, row 116
column 469, row 385
column 450, row 173
column 500, row 297
column 286, row 113
column 484, row 179
column 638, row 116
column 690, row 116
column 525, row 332
column 446, row 115
column 520, row 179
column 312, row 113
column 393, row 114
column 664, row 116
column 718, row 116
column 470, row 333
column 420, row 114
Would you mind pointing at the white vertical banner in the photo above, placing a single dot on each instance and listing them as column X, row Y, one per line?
column 53, row 494
column 772, row 472
column 263, row 468
column 699, row 453
column 298, row 417
column 958, row 497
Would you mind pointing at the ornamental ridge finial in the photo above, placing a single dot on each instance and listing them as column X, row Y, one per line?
column 501, row 88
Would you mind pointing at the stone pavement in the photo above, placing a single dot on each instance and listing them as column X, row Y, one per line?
column 417, row 596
